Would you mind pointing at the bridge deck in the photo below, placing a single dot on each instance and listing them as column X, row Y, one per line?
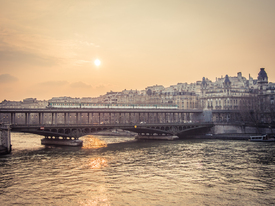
column 86, row 110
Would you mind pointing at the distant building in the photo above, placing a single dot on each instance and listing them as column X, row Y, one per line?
column 252, row 97
column 227, row 93
column 64, row 99
column 26, row 103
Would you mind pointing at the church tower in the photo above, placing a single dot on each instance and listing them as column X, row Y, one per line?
column 203, row 86
column 227, row 85
column 203, row 92
column 262, row 81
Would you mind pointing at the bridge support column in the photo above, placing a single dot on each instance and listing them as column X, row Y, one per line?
column 41, row 118
column 55, row 118
column 65, row 118
column 119, row 118
column 12, row 118
column 173, row 117
column 158, row 117
column 27, row 118
column 52, row 117
column 92, row 117
column 188, row 117
column 99, row 118
column 5, row 139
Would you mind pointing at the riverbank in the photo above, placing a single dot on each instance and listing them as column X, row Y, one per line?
column 226, row 136
column 221, row 136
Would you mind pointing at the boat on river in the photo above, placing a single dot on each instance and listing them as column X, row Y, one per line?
column 262, row 138
column 62, row 142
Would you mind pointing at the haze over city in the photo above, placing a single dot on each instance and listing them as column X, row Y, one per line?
column 86, row 48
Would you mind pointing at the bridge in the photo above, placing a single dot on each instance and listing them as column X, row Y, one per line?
column 75, row 131
column 97, row 116
column 70, row 124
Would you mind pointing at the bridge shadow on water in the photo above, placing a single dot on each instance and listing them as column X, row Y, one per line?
column 134, row 144
column 101, row 145
column 92, row 144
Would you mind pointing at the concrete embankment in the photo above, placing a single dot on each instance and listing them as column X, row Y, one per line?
column 235, row 132
column 242, row 130
column 226, row 136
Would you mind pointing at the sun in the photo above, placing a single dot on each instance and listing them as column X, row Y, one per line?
column 97, row 62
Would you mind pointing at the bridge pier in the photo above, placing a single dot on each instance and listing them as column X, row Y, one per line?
column 5, row 139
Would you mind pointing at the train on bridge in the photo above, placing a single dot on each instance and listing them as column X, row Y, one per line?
column 110, row 106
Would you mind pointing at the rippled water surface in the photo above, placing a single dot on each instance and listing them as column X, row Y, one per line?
column 120, row 171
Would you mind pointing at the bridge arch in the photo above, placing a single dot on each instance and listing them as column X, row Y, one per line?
column 78, row 131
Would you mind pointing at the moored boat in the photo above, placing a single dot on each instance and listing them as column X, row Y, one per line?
column 262, row 138
column 156, row 137
column 62, row 142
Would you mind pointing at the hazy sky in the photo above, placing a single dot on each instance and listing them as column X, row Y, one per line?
column 48, row 48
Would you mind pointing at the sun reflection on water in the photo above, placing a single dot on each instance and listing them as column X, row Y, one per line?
column 97, row 163
column 95, row 201
column 98, row 194
column 98, row 198
column 92, row 142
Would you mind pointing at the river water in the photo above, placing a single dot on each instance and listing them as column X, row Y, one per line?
column 120, row 171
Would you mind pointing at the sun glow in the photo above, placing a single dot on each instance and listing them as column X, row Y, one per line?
column 97, row 62
column 92, row 142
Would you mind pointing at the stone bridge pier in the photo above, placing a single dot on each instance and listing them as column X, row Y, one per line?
column 5, row 139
